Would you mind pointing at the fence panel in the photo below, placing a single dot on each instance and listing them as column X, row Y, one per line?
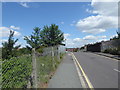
column 30, row 71
column 46, row 64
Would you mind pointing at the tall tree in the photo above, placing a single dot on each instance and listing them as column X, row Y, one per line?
column 9, row 48
column 34, row 40
column 52, row 35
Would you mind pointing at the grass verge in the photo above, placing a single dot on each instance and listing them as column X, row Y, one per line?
column 46, row 67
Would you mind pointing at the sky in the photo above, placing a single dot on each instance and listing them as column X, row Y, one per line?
column 81, row 22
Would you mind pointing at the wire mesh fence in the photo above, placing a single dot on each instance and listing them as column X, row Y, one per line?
column 46, row 64
column 16, row 72
column 30, row 71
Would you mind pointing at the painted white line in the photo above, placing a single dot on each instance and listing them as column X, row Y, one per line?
column 79, row 74
column 116, row 70
column 106, row 57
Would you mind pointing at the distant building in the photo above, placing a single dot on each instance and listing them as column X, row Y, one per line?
column 72, row 49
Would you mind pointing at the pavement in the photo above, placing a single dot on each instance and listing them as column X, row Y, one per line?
column 108, row 55
column 66, row 75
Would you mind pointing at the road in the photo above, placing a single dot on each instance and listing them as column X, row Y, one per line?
column 101, row 71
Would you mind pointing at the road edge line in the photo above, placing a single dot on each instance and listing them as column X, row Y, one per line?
column 107, row 57
column 79, row 74
column 85, row 76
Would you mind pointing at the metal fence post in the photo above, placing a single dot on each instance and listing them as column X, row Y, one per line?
column 53, row 58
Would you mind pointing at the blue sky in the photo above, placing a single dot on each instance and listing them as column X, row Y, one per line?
column 81, row 22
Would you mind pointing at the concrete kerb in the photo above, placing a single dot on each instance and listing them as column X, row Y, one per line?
column 108, row 56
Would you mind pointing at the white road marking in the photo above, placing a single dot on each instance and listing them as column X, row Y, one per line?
column 106, row 57
column 116, row 70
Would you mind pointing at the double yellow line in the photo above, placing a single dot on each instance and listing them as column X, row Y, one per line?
column 85, row 76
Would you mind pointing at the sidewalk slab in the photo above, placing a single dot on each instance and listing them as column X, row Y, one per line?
column 66, row 75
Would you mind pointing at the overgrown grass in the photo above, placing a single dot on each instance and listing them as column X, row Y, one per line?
column 16, row 72
column 112, row 51
column 46, row 65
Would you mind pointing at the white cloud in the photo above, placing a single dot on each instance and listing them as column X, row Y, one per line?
column 105, row 8
column 4, row 32
column 94, row 31
column 77, row 40
column 91, row 37
column 97, row 24
column 113, row 36
column 24, row 4
column 15, row 28
column 107, row 17
column 89, row 11
column 3, row 40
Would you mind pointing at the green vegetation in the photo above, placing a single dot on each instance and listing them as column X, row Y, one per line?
column 61, row 55
column 0, row 53
column 76, row 50
column 23, row 51
column 17, row 62
column 45, row 67
column 16, row 72
column 34, row 40
column 9, row 49
column 49, row 36
column 116, row 37
column 116, row 43
column 112, row 51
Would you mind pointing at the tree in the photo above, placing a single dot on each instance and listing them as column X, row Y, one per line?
column 34, row 40
column 116, row 42
column 118, row 33
column 116, row 37
column 51, row 36
column 9, row 49
column 24, row 50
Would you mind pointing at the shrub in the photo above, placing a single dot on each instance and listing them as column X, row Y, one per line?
column 16, row 72
column 112, row 51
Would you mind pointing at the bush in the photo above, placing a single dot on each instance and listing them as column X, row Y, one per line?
column 112, row 51
column 16, row 72
column 76, row 50
column 40, row 49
